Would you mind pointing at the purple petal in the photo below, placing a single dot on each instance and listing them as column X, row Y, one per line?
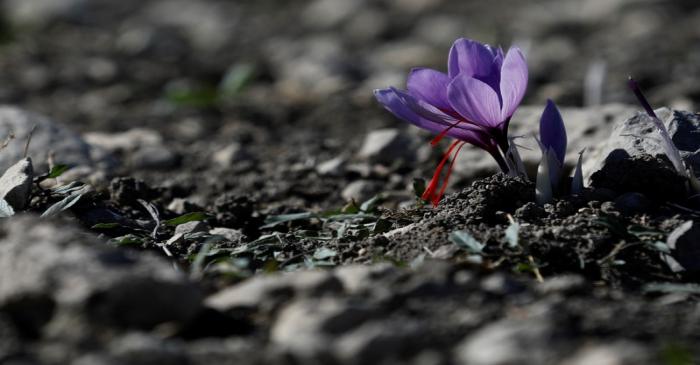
column 430, row 86
column 513, row 81
column 395, row 102
column 475, row 101
column 471, row 58
column 553, row 131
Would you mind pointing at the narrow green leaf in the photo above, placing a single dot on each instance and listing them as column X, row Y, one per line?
column 57, row 171
column 106, row 226
column 189, row 217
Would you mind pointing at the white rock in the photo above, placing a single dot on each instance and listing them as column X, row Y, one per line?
column 16, row 183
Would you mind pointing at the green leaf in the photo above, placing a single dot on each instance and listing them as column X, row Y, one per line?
column 466, row 241
column 129, row 240
column 275, row 220
column 193, row 97
column 106, row 226
column 57, row 171
column 512, row 234
column 677, row 354
column 189, row 217
column 66, row 203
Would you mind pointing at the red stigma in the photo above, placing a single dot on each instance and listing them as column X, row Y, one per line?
column 430, row 192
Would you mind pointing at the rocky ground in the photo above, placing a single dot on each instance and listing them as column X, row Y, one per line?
column 209, row 182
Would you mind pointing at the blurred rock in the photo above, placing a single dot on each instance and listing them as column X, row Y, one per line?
column 510, row 342
column 49, row 138
column 308, row 70
column 50, row 271
column 40, row 12
column 332, row 167
column 307, row 327
column 615, row 353
column 268, row 292
column 205, row 24
column 141, row 148
column 233, row 235
column 229, row 155
column 387, row 146
column 375, row 342
column 330, row 13
column 16, row 184
column 360, row 190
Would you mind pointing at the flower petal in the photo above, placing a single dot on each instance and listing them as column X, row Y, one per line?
column 471, row 58
column 513, row 81
column 475, row 101
column 553, row 131
column 430, row 86
column 397, row 101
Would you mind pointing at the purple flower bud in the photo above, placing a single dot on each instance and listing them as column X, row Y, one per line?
column 552, row 131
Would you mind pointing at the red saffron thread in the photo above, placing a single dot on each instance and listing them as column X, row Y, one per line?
column 429, row 193
column 437, row 198
column 442, row 134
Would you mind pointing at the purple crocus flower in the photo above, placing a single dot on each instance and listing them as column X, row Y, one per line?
column 472, row 103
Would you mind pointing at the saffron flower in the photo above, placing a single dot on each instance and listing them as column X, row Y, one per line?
column 472, row 103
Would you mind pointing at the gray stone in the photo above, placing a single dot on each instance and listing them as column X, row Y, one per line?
column 49, row 138
column 143, row 349
column 233, row 235
column 620, row 352
column 307, row 327
column 332, row 167
column 37, row 12
column 206, row 25
column 585, row 128
column 143, row 148
column 638, row 135
column 16, row 183
column 268, row 292
column 191, row 227
column 360, row 190
column 375, row 341
column 128, row 141
column 359, row 278
column 510, row 342
column 153, row 157
column 329, row 13
column 564, row 284
column 229, row 155
column 387, row 146
column 50, row 271
column 684, row 242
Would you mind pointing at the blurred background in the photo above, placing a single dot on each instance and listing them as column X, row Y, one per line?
column 284, row 86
